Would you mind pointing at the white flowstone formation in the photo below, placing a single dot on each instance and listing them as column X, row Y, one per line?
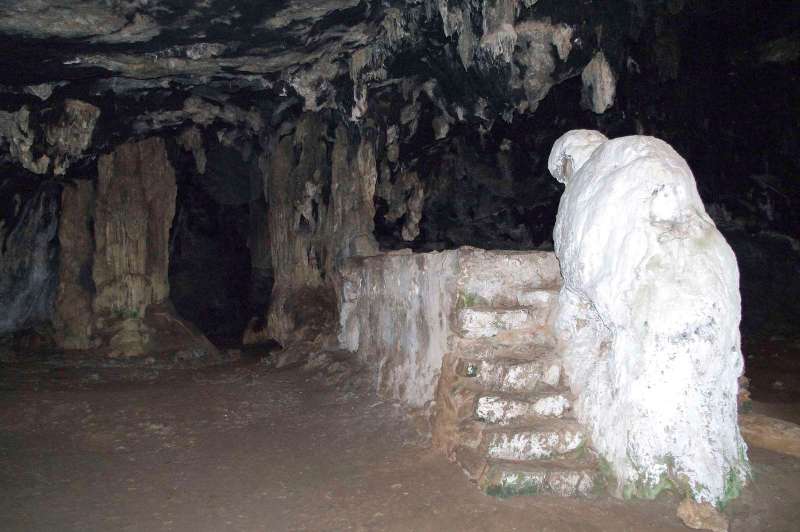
column 649, row 317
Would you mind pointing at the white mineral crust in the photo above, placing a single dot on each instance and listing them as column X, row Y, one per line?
column 649, row 316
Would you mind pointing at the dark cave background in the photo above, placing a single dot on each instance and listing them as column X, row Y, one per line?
column 717, row 81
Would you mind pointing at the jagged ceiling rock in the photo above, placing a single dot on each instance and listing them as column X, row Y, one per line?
column 329, row 53
column 17, row 138
column 424, row 71
column 66, row 138
column 59, row 18
column 142, row 67
column 599, row 84
column 71, row 134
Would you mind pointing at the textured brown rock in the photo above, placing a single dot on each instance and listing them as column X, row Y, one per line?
column 769, row 433
column 405, row 196
column 256, row 332
column 73, row 308
column 313, row 227
column 191, row 139
column 71, row 134
column 135, row 206
column 17, row 136
column 701, row 516
column 159, row 334
column 129, row 337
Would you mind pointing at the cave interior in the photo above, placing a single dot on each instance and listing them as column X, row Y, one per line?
column 181, row 181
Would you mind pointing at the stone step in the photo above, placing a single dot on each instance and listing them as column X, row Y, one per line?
column 528, row 297
column 504, row 409
column 563, row 478
column 546, row 439
column 511, row 375
column 502, row 278
column 510, row 323
column 491, row 348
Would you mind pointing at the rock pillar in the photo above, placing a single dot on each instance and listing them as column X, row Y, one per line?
column 73, row 309
column 136, row 193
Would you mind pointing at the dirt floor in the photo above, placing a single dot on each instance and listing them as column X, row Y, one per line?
column 247, row 447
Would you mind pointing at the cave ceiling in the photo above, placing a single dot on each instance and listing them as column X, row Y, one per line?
column 459, row 79
column 480, row 59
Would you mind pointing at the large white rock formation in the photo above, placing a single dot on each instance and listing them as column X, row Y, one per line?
column 649, row 316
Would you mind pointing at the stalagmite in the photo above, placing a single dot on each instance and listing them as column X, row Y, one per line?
column 649, row 316
column 135, row 206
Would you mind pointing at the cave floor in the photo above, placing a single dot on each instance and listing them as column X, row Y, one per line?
column 246, row 447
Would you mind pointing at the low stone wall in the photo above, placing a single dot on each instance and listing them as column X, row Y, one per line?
column 394, row 311
column 398, row 310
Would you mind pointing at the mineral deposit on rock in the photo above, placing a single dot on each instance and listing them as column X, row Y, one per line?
column 649, row 316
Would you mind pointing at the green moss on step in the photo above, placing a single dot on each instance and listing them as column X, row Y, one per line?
column 734, row 482
column 467, row 300
column 126, row 313
column 505, row 490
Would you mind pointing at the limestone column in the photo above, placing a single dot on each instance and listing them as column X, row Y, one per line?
column 73, row 308
column 136, row 193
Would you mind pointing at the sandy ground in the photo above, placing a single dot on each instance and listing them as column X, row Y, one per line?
column 245, row 447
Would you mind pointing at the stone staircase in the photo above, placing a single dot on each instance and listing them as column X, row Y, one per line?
column 503, row 411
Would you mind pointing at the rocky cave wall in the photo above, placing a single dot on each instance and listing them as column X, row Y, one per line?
column 302, row 135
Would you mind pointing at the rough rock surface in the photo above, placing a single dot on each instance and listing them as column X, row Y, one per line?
column 649, row 316
column 770, row 433
column 400, row 311
column 133, row 215
column 501, row 409
column 28, row 258
column 320, row 196
column 394, row 312
column 71, row 134
column 73, row 319
column 599, row 84
column 17, row 137
column 159, row 335
column 701, row 516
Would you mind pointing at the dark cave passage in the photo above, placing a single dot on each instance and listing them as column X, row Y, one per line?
column 214, row 282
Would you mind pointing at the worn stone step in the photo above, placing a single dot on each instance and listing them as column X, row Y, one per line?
column 541, row 346
column 510, row 323
column 544, row 440
column 505, row 409
column 563, row 478
column 527, row 297
column 502, row 278
column 511, row 375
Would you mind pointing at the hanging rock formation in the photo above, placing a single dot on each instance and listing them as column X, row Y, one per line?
column 649, row 317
